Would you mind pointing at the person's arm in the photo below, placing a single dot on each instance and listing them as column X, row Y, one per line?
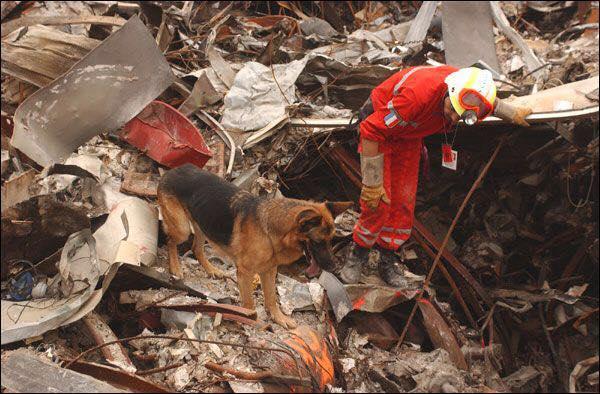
column 370, row 147
column 511, row 113
column 371, row 165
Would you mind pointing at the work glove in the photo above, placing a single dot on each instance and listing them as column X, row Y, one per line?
column 372, row 191
column 520, row 114
column 512, row 113
column 371, row 195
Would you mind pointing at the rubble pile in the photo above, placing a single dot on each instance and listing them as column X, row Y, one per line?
column 100, row 98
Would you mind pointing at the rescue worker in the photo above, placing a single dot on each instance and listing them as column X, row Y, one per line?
column 411, row 104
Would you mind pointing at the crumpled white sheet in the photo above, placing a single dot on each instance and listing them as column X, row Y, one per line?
column 255, row 98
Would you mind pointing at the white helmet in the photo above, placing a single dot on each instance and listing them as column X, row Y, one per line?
column 472, row 93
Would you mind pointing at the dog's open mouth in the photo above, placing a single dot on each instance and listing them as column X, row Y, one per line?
column 313, row 268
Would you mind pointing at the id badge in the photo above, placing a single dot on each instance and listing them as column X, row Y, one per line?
column 449, row 157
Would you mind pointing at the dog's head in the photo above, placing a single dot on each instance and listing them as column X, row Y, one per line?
column 316, row 229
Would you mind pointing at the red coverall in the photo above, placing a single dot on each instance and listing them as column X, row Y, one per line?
column 407, row 107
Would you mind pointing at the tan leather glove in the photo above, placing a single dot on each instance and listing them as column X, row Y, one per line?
column 372, row 195
column 521, row 114
column 512, row 113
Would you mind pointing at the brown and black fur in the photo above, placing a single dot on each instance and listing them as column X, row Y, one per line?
column 259, row 234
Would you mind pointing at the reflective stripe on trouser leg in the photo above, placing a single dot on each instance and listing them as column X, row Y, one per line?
column 392, row 238
column 392, row 241
column 366, row 237
column 369, row 223
column 396, row 230
column 405, row 174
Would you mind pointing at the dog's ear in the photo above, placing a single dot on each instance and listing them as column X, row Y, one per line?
column 307, row 219
column 338, row 207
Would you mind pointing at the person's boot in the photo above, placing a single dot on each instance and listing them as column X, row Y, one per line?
column 357, row 257
column 388, row 268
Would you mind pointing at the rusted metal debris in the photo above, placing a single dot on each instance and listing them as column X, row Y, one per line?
column 101, row 332
column 117, row 377
column 140, row 184
column 265, row 376
column 440, row 333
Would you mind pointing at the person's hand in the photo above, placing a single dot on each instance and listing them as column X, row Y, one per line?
column 372, row 195
column 512, row 113
column 520, row 114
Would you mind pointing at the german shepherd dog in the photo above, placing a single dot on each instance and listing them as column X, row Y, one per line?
column 259, row 234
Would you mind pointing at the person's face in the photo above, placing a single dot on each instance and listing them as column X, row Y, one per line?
column 449, row 112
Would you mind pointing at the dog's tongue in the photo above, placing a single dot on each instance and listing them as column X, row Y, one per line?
column 313, row 268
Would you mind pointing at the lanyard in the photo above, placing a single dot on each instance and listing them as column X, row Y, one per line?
column 449, row 156
column 446, row 133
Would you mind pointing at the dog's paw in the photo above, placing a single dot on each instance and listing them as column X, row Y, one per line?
column 285, row 321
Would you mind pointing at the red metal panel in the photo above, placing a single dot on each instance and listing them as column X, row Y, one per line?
column 167, row 136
